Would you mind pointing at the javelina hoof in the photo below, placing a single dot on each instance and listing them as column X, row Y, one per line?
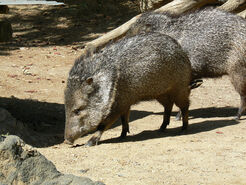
column 92, row 142
column 184, row 128
column 68, row 142
column 124, row 134
column 163, row 128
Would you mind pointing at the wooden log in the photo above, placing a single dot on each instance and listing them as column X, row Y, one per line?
column 231, row 5
column 178, row 7
column 242, row 14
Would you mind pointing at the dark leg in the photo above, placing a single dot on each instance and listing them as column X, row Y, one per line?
column 168, row 105
column 184, row 112
column 184, row 107
column 182, row 101
column 242, row 108
column 125, row 124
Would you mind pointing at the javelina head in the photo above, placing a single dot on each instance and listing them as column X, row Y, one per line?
column 88, row 101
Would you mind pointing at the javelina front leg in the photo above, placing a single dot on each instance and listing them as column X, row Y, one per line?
column 182, row 101
column 96, row 137
column 125, row 124
column 105, row 125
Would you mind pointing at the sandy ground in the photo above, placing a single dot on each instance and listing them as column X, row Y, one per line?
column 212, row 151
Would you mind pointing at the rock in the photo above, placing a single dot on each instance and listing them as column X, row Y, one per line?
column 21, row 164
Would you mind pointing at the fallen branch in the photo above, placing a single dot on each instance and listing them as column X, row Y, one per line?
column 231, row 5
column 178, row 7
column 242, row 14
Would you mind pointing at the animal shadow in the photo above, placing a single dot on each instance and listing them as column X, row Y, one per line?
column 174, row 132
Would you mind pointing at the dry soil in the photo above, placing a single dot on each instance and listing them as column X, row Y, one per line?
column 34, row 68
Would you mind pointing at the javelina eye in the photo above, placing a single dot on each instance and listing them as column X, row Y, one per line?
column 77, row 111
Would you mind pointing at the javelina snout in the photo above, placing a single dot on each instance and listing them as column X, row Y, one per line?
column 76, row 105
column 102, row 88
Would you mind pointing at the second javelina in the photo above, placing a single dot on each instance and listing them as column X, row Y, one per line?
column 215, row 42
column 103, row 87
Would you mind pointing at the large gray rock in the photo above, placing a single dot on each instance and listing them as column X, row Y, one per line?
column 20, row 164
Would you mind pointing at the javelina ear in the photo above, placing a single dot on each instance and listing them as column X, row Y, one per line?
column 89, row 81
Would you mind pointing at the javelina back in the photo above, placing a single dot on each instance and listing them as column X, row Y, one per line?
column 215, row 42
column 102, row 88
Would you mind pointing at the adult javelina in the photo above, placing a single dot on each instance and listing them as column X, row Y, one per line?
column 102, row 88
column 215, row 42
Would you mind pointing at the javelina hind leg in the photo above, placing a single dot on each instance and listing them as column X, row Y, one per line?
column 239, row 82
column 125, row 124
column 193, row 85
column 242, row 108
column 168, row 105
column 182, row 101
column 184, row 112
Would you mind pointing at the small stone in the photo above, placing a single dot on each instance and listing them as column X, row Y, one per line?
column 84, row 171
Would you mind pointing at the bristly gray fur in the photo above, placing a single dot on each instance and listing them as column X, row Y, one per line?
column 102, row 87
column 214, row 40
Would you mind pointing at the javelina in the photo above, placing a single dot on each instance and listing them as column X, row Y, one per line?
column 102, row 87
column 215, row 42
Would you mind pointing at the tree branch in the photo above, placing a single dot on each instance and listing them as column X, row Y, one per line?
column 178, row 7
column 242, row 14
column 175, row 7
column 231, row 5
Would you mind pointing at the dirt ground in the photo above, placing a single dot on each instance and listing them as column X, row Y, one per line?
column 34, row 68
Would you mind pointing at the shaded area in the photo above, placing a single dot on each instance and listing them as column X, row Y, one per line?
column 42, row 121
column 173, row 132
column 76, row 22
column 212, row 112
column 46, row 121
column 35, row 113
